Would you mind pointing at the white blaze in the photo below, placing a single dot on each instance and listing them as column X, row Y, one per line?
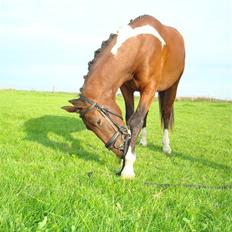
column 127, row 32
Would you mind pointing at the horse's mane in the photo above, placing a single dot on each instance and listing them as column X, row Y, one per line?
column 138, row 18
column 97, row 53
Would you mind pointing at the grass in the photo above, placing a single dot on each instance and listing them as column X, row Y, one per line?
column 57, row 176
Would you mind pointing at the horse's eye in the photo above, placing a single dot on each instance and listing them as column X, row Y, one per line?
column 99, row 122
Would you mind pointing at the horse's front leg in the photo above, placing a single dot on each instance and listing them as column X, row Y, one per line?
column 135, row 124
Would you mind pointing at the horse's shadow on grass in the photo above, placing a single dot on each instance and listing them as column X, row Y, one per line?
column 197, row 160
column 40, row 130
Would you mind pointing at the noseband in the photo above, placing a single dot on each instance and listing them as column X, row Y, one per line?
column 120, row 130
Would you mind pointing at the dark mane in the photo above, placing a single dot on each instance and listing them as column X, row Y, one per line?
column 138, row 18
column 104, row 44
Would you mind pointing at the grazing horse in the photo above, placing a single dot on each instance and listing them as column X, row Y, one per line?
column 144, row 56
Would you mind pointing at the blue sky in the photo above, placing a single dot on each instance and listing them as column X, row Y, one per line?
column 47, row 44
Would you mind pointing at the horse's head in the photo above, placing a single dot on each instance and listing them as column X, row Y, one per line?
column 107, row 125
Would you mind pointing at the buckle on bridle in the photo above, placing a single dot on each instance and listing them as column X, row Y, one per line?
column 121, row 131
column 111, row 142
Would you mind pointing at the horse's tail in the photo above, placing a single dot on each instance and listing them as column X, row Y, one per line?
column 166, row 100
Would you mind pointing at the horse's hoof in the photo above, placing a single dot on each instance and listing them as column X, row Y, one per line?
column 143, row 143
column 118, row 173
column 167, row 149
column 127, row 175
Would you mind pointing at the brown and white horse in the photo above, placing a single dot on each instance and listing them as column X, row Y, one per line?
column 144, row 56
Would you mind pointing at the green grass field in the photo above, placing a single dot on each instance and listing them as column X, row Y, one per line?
column 57, row 176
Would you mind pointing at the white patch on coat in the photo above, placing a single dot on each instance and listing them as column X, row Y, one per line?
column 128, row 170
column 143, row 140
column 127, row 32
column 166, row 142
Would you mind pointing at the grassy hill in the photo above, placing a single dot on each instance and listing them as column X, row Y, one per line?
column 57, row 176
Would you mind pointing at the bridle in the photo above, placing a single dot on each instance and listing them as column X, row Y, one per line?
column 120, row 130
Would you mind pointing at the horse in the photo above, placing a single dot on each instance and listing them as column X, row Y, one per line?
column 144, row 56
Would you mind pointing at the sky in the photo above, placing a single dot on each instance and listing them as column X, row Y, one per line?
column 47, row 44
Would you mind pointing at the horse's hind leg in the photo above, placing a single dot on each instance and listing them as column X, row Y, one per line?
column 129, row 101
column 143, row 140
column 166, row 100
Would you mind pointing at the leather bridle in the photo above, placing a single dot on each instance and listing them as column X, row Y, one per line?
column 120, row 130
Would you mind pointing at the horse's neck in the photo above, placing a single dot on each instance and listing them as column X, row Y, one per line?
column 103, row 85
column 107, row 76
column 99, row 88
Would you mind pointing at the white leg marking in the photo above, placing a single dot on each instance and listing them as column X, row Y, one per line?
column 143, row 140
column 128, row 170
column 166, row 142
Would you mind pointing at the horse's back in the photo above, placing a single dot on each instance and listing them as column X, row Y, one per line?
column 172, row 53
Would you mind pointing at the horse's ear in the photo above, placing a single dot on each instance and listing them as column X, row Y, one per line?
column 77, row 106
column 71, row 109
column 74, row 101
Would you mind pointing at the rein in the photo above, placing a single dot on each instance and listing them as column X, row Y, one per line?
column 191, row 186
column 120, row 130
